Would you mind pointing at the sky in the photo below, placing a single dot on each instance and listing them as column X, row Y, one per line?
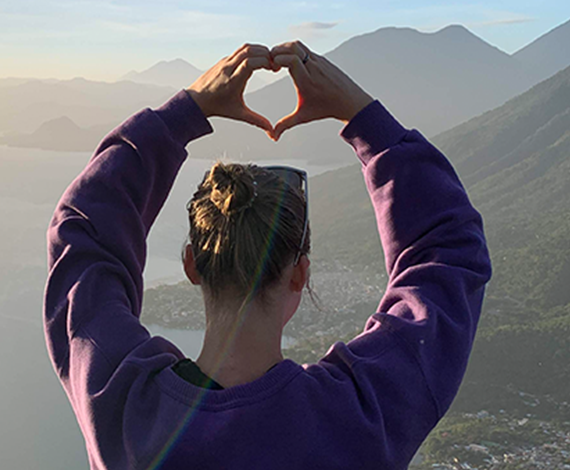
column 105, row 39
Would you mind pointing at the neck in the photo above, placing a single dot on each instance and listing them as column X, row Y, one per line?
column 239, row 348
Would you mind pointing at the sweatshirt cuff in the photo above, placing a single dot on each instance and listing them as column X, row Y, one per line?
column 372, row 131
column 184, row 118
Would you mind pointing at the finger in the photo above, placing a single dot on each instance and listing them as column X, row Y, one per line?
column 251, row 51
column 294, row 47
column 292, row 120
column 238, row 50
column 249, row 65
column 256, row 119
column 295, row 66
column 245, row 47
column 275, row 67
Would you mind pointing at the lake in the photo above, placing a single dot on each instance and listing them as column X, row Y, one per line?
column 32, row 181
column 190, row 341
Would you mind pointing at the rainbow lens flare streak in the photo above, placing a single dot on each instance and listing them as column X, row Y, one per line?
column 242, row 313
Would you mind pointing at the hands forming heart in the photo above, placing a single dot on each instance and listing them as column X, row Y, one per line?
column 323, row 90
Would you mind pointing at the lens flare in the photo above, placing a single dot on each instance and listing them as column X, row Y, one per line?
column 241, row 316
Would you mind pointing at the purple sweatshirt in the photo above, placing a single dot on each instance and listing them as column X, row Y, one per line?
column 367, row 404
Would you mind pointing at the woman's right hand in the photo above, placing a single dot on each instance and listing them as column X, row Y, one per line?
column 219, row 91
column 323, row 90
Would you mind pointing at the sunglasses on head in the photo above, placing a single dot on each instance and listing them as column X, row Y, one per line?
column 296, row 178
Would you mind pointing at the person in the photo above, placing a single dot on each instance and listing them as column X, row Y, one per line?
column 368, row 403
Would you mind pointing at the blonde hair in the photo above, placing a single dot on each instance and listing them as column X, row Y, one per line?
column 246, row 225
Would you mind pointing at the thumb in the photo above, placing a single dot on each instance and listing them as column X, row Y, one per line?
column 251, row 117
column 292, row 120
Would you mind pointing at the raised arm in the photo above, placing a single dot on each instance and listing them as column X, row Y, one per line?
column 97, row 235
column 97, row 252
column 434, row 247
column 405, row 368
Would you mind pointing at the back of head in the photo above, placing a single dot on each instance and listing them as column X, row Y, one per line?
column 246, row 226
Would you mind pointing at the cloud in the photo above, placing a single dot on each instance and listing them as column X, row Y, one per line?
column 312, row 26
column 505, row 21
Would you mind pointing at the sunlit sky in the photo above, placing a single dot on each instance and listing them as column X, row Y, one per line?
column 104, row 39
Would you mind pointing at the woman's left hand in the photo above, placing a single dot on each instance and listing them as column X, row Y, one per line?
column 219, row 91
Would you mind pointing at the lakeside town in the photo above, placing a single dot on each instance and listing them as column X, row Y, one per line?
column 343, row 300
column 502, row 441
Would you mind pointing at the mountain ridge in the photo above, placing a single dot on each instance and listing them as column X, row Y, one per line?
column 177, row 73
column 430, row 81
column 548, row 54
column 46, row 136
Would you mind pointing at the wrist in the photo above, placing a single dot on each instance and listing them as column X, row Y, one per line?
column 355, row 106
column 200, row 100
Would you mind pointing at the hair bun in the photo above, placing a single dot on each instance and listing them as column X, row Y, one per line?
column 232, row 188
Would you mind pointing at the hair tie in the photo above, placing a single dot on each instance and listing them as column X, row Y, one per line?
column 250, row 203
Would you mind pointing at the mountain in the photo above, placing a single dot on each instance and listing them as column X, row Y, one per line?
column 60, row 134
column 430, row 81
column 548, row 54
column 14, row 81
column 177, row 74
column 26, row 106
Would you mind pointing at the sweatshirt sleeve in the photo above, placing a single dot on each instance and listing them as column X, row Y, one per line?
column 410, row 359
column 97, row 248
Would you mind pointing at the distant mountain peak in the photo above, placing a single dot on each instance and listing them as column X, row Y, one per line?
column 454, row 29
column 447, row 33
column 176, row 73
column 60, row 124
column 177, row 63
column 390, row 29
column 446, row 29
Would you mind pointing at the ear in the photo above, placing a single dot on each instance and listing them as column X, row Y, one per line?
column 190, row 266
column 300, row 275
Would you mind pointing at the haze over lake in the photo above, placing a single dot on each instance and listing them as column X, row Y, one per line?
column 38, row 429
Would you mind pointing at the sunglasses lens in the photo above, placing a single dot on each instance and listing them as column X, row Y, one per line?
column 292, row 178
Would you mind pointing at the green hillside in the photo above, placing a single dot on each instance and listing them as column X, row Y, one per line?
column 515, row 163
column 343, row 225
